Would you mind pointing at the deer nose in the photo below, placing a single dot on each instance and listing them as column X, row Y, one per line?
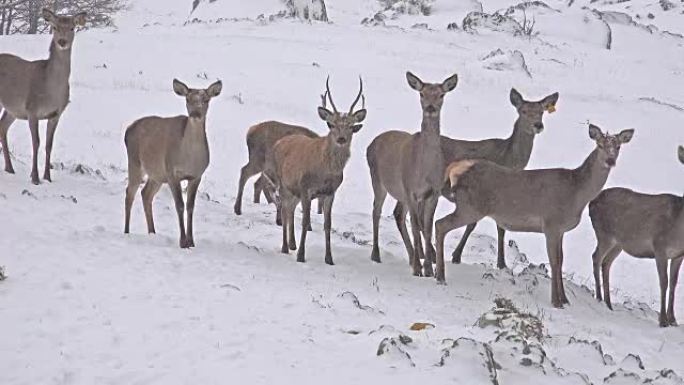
column 610, row 162
column 341, row 140
column 62, row 42
column 539, row 126
column 430, row 109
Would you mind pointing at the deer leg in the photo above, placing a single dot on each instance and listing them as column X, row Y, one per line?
column 134, row 179
column 501, row 258
column 608, row 260
column 193, row 185
column 180, row 207
column 258, row 189
column 321, row 205
column 428, row 222
column 5, row 122
column 400, row 218
column 306, row 222
column 379, row 195
column 327, row 226
column 35, row 141
column 603, row 247
column 246, row 172
column 291, row 229
column 284, row 210
column 417, row 247
column 49, row 137
column 456, row 255
column 661, row 265
column 148, row 192
column 459, row 218
column 675, row 264
column 552, row 242
column 561, row 284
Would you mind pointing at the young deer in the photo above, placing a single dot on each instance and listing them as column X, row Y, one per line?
column 513, row 152
column 38, row 90
column 170, row 150
column 304, row 168
column 411, row 169
column 548, row 201
column 644, row 226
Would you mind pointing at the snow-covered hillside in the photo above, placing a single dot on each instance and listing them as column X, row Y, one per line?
column 85, row 304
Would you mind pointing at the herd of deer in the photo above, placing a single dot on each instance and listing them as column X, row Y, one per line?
column 483, row 178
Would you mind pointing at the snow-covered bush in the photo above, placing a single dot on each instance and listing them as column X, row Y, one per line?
column 411, row 7
column 307, row 9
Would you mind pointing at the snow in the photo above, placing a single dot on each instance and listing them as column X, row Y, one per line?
column 85, row 304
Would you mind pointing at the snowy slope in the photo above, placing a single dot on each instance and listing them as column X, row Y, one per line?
column 84, row 304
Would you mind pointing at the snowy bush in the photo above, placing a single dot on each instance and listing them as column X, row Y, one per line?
column 307, row 9
column 410, row 7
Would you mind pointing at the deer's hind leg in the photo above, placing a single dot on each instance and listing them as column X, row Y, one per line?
column 135, row 177
column 379, row 196
column 604, row 246
column 5, row 122
column 458, row 252
column 247, row 171
column 148, row 192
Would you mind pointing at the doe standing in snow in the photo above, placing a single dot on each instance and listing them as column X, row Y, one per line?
column 304, row 168
column 170, row 150
column 38, row 90
column 644, row 226
column 548, row 201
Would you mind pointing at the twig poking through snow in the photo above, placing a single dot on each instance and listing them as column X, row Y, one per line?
column 660, row 102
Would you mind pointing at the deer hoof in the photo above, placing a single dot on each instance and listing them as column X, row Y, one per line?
column 375, row 256
column 285, row 249
column 35, row 180
column 300, row 258
column 329, row 260
column 238, row 210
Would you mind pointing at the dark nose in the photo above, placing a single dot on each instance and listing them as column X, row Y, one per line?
column 610, row 162
column 62, row 42
column 341, row 140
column 539, row 126
column 430, row 109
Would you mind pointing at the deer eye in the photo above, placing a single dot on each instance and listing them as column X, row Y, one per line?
column 330, row 125
column 441, row 96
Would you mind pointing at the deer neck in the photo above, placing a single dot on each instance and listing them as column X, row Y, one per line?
column 58, row 66
column 429, row 130
column 336, row 156
column 519, row 145
column 590, row 177
column 195, row 131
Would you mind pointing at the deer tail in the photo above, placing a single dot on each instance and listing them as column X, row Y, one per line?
column 456, row 169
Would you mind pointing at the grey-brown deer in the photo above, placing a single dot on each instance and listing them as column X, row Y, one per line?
column 170, row 150
column 644, row 226
column 410, row 167
column 38, row 90
column 304, row 168
column 513, row 152
column 547, row 201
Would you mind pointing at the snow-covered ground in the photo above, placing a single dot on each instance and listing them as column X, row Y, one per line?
column 85, row 304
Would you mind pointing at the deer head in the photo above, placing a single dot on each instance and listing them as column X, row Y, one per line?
column 63, row 27
column 197, row 100
column 530, row 113
column 431, row 95
column 342, row 125
column 609, row 145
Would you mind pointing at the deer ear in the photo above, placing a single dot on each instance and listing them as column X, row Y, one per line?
column 324, row 114
column 549, row 102
column 360, row 115
column 680, row 151
column 214, row 90
column 80, row 18
column 356, row 128
column 595, row 132
column 450, row 83
column 48, row 15
column 625, row 136
column 180, row 88
column 414, row 82
column 516, row 98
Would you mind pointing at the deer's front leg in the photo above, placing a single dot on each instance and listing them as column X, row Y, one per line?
column 306, row 223
column 51, row 128
column 35, row 141
column 193, row 185
column 5, row 122
column 327, row 226
column 178, row 199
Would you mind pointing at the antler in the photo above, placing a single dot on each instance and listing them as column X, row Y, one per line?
column 359, row 96
column 324, row 99
column 327, row 92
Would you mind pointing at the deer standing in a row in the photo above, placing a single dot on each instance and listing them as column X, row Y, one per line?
column 547, row 201
column 38, row 90
column 410, row 168
column 170, row 150
column 304, row 168
column 644, row 226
